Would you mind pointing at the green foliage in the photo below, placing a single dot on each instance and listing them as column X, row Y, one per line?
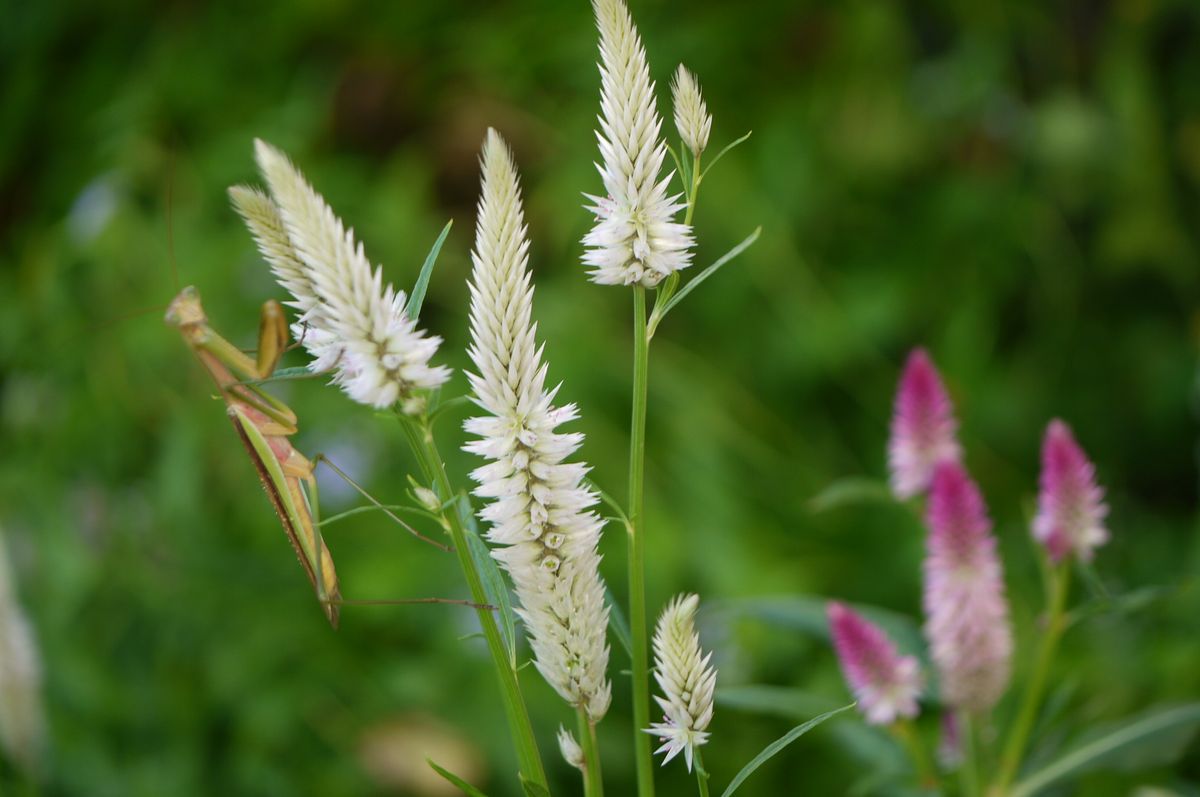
column 775, row 747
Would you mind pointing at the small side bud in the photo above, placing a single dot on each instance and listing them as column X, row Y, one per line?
column 691, row 114
column 427, row 498
column 572, row 753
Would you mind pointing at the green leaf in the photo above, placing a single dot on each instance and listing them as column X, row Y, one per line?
column 284, row 375
column 678, row 165
column 777, row 701
column 447, row 405
column 721, row 154
column 493, row 581
column 358, row 510
column 1110, row 748
column 702, row 276
column 850, row 492
column 465, row 787
column 413, row 310
column 618, row 623
column 534, row 789
column 612, row 503
column 774, row 747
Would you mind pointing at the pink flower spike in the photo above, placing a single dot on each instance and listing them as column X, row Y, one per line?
column 966, row 615
column 923, row 427
column 1071, row 507
column 885, row 684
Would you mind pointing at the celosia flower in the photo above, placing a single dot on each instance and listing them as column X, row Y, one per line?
column 540, row 514
column 572, row 753
column 263, row 218
column 923, row 427
column 1071, row 507
column 355, row 319
column 687, row 682
column 885, row 684
column 966, row 615
column 22, row 721
column 635, row 239
column 692, row 119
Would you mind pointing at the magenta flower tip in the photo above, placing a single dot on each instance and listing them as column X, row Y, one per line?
column 885, row 684
column 966, row 614
column 923, row 427
column 1071, row 508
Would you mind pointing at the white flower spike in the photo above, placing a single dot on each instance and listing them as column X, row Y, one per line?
column 265, row 223
column 636, row 238
column 539, row 515
column 692, row 119
column 686, row 679
column 356, row 320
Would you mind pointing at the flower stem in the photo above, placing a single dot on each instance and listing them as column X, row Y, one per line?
column 693, row 190
column 420, row 438
column 637, row 548
column 701, row 773
column 906, row 731
column 969, row 769
column 1018, row 737
column 593, row 783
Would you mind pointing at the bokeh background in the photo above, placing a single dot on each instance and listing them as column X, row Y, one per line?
column 1013, row 185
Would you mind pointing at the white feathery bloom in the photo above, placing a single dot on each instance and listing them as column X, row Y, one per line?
column 692, row 119
column 22, row 722
column 686, row 679
column 572, row 753
column 635, row 239
column 539, row 515
column 383, row 357
column 265, row 223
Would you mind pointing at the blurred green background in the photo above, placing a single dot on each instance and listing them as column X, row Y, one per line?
column 1013, row 185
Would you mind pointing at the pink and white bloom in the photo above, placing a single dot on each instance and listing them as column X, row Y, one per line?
column 966, row 614
column 1071, row 507
column 885, row 684
column 923, row 427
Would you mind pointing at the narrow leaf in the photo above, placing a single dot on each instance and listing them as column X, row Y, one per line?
column 446, row 406
column 618, row 623
column 534, row 789
column 1096, row 752
column 413, row 310
column 774, row 747
column 358, row 510
column 493, row 581
column 777, row 701
column 850, row 492
column 284, row 375
column 678, row 164
column 721, row 154
column 708, row 272
column 465, row 787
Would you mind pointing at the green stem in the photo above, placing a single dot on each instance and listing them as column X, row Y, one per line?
column 637, row 548
column 1018, row 737
column 701, row 773
column 926, row 775
column 969, row 769
column 593, row 783
column 420, row 437
column 692, row 192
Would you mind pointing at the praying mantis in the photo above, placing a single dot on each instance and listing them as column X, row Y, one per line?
column 264, row 424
